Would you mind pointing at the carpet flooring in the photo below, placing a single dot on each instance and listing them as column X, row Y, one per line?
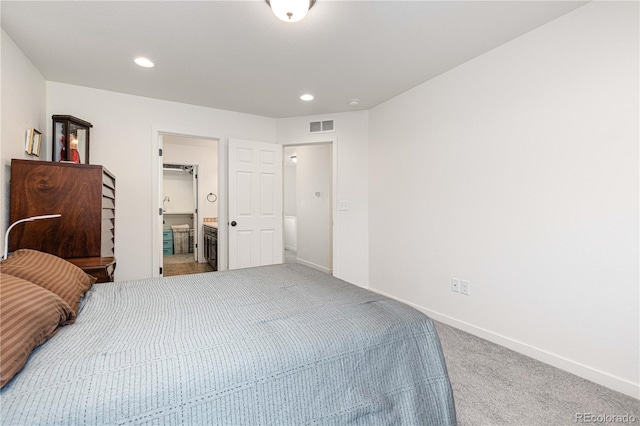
column 290, row 256
column 493, row 385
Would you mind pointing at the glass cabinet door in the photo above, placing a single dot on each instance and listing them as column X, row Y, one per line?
column 70, row 139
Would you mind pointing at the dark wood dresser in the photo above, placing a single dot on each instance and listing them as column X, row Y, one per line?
column 85, row 197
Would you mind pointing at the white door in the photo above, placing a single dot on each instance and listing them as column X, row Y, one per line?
column 255, row 204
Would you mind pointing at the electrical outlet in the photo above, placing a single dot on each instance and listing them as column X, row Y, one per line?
column 455, row 285
column 343, row 206
column 465, row 287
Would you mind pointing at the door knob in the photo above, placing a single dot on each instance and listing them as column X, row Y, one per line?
column 233, row 223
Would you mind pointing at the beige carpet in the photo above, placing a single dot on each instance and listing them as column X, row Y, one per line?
column 493, row 385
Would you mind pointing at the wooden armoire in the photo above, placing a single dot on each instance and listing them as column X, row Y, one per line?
column 83, row 194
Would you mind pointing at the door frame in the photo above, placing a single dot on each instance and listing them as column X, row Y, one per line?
column 157, row 134
column 334, row 193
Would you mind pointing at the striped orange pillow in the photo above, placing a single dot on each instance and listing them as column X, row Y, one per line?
column 50, row 272
column 29, row 316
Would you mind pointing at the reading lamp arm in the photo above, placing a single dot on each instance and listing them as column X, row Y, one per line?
column 28, row 219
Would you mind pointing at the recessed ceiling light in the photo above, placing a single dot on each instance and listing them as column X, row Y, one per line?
column 306, row 97
column 143, row 62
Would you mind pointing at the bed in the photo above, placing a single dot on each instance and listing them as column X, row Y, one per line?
column 274, row 345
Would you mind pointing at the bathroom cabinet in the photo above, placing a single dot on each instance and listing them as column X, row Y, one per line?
column 211, row 245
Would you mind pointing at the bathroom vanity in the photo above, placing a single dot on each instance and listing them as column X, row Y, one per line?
column 211, row 243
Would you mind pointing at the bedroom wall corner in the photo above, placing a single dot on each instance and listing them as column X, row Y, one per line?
column 23, row 106
column 519, row 171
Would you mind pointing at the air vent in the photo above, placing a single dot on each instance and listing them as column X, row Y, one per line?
column 327, row 126
column 315, row 126
column 321, row 126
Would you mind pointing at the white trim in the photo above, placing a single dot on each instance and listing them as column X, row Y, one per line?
column 314, row 266
column 600, row 377
column 156, row 203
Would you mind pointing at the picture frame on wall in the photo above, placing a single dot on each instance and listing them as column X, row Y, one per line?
column 36, row 142
column 33, row 142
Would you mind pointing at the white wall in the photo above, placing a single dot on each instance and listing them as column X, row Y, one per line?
column 178, row 186
column 124, row 138
column 518, row 171
column 289, row 199
column 313, row 199
column 22, row 102
column 351, row 245
column 291, row 233
column 289, row 182
column 204, row 154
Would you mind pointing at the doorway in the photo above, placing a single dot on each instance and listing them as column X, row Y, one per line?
column 188, row 194
column 180, row 218
column 308, row 205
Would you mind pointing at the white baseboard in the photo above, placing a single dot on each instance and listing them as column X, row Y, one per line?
column 600, row 377
column 314, row 266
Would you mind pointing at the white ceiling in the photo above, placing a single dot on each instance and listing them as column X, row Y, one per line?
column 235, row 55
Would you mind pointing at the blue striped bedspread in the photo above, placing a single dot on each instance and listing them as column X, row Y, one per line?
column 274, row 345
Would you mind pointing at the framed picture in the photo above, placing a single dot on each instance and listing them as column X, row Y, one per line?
column 36, row 142
column 33, row 142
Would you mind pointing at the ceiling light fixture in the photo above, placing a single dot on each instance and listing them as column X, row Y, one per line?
column 354, row 102
column 306, row 97
column 143, row 62
column 290, row 10
column 294, row 158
